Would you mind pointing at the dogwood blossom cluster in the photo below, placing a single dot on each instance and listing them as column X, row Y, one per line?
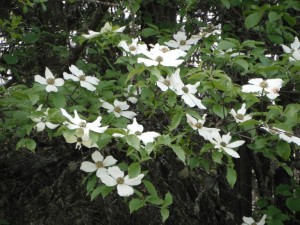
column 118, row 108
column 282, row 134
column 43, row 121
column 251, row 221
column 260, row 87
column 78, row 75
column 240, row 116
column 49, row 81
column 111, row 175
column 180, row 41
column 294, row 50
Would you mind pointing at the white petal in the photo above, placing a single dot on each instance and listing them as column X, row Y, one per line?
column 197, row 101
column 59, row 82
column 101, row 172
column 262, row 221
column 255, row 81
column 171, row 62
column 133, row 181
column 242, row 110
column 88, row 166
column 115, row 172
column 108, row 180
column 48, row 74
column 296, row 140
column 87, row 85
column 147, row 62
column 109, row 161
column 99, row 130
column 51, row 125
column 124, row 190
column 40, row 79
column 248, row 220
column 248, row 88
column 191, row 121
column 286, row 49
column 231, row 152
column 226, row 138
column 172, row 44
column 97, row 157
column 128, row 114
column 40, row 126
column 68, row 76
column 74, row 70
column 180, row 36
column 92, row 80
column 188, row 100
column 122, row 105
column 135, row 127
column 235, row 144
column 51, row 88
column 148, row 136
column 106, row 105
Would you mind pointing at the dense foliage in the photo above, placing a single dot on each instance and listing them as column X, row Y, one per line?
column 214, row 84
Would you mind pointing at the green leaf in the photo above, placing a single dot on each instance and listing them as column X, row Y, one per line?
column 226, row 3
column 134, row 72
column 293, row 204
column 290, row 19
column 176, row 120
column 155, row 200
column 165, row 213
column 31, row 38
column 179, row 152
column 10, row 59
column 217, row 156
column 134, row 169
column 253, row 19
column 168, row 200
column 288, row 170
column 133, row 141
column 224, row 45
column 150, row 187
column 91, row 184
column 243, row 63
column 231, row 176
column 30, row 144
column 275, row 38
column 147, row 32
column 59, row 100
column 283, row 149
column 220, row 111
column 135, row 204
column 96, row 192
column 273, row 16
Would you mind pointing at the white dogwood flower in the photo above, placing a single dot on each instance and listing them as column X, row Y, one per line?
column 138, row 129
column 250, row 221
column 187, row 92
column 49, row 80
column 134, row 48
column 77, row 138
column 124, row 184
column 164, row 83
column 163, row 56
column 222, row 143
column 87, row 82
column 269, row 87
column 198, row 125
column 118, row 108
column 78, row 123
column 240, row 116
column 130, row 93
column 181, row 41
column 106, row 28
column 100, row 163
column 42, row 121
column 91, row 34
column 294, row 50
column 282, row 134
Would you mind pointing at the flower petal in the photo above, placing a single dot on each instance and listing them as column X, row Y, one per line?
column 231, row 152
column 133, row 181
column 87, row 85
column 68, row 76
column 97, row 157
column 248, row 220
column 88, row 167
column 108, row 180
column 40, row 79
column 40, row 126
column 128, row 114
column 235, row 144
column 48, row 74
column 124, row 190
column 109, row 161
column 59, row 82
column 101, row 172
column 92, row 80
column 115, row 172
column 51, row 88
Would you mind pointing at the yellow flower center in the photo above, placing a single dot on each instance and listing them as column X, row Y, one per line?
column 82, row 124
column 199, row 125
column 99, row 164
column 165, row 49
column 117, row 109
column 120, row 180
column 275, row 90
column 185, row 89
column 182, row 42
column 82, row 77
column 167, row 82
column 132, row 48
column 138, row 133
column 263, row 84
column 223, row 144
column 239, row 116
column 50, row 81
column 159, row 59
